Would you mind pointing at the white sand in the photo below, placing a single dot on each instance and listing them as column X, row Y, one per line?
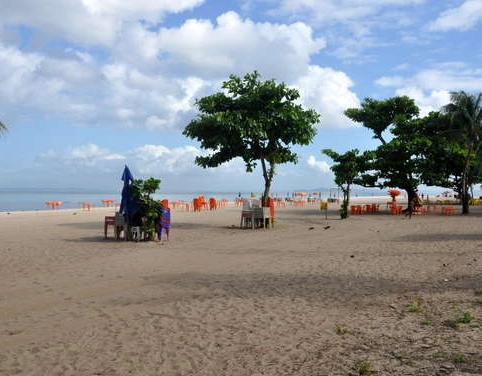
column 300, row 299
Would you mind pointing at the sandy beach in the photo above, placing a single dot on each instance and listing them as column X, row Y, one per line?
column 312, row 296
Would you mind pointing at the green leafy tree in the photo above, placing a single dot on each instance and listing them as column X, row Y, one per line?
column 432, row 151
column 394, row 163
column 149, row 209
column 442, row 158
column 380, row 115
column 258, row 121
column 465, row 112
column 347, row 169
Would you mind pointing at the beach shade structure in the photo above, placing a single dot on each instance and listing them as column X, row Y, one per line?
column 128, row 205
column 394, row 193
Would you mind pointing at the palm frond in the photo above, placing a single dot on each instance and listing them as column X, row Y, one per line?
column 3, row 129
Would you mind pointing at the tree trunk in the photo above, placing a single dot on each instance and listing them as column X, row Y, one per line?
column 464, row 195
column 464, row 192
column 268, row 173
column 411, row 193
column 345, row 203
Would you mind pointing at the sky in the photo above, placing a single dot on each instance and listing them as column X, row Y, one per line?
column 87, row 86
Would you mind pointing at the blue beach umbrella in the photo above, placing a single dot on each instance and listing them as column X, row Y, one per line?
column 127, row 206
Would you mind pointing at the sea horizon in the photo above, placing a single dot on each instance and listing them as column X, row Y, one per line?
column 27, row 199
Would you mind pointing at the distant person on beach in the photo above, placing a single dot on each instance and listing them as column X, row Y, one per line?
column 413, row 204
column 409, row 210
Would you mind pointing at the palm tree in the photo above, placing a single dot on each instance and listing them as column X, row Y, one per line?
column 465, row 111
column 3, row 129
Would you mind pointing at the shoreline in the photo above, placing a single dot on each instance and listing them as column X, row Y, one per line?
column 353, row 200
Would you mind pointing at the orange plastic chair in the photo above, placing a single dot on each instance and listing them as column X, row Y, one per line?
column 86, row 205
column 271, row 211
column 213, row 205
column 196, row 205
column 355, row 209
column 202, row 203
column 53, row 204
column 420, row 210
column 448, row 210
column 108, row 203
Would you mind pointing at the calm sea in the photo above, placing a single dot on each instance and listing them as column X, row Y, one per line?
column 30, row 199
column 11, row 200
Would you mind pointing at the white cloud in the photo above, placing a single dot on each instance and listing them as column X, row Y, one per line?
column 159, row 159
column 431, row 87
column 91, row 151
column 355, row 22
column 141, row 9
column 89, row 157
column 147, row 160
column 390, row 81
column 318, row 165
column 175, row 166
column 451, row 79
column 461, row 18
column 330, row 11
column 426, row 100
column 74, row 88
column 87, row 22
column 156, row 83
column 35, row 81
column 328, row 92
column 449, row 76
column 239, row 46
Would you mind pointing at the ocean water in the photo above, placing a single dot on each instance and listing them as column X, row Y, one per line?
column 21, row 200
column 34, row 199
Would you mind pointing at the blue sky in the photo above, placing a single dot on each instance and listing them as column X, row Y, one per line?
column 87, row 86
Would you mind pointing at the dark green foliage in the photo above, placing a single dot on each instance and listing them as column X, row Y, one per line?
column 254, row 120
column 347, row 169
column 379, row 115
column 465, row 113
column 149, row 209
column 393, row 163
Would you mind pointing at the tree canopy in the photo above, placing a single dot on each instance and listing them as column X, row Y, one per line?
column 441, row 149
column 379, row 115
column 347, row 168
column 465, row 113
column 258, row 121
column 393, row 163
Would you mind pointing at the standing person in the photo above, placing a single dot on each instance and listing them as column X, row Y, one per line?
column 409, row 210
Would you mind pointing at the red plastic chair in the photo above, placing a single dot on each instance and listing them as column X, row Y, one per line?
column 108, row 221
column 213, row 204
